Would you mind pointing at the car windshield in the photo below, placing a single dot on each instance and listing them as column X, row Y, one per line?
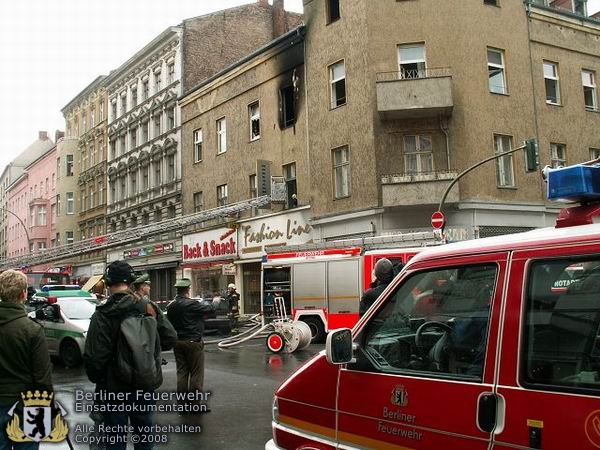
column 77, row 309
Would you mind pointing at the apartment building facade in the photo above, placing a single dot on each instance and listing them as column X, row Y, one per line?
column 242, row 129
column 144, row 160
column 11, row 173
column 85, row 120
column 396, row 112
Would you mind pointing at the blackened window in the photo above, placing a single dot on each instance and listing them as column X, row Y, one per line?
column 490, row 2
column 333, row 10
column 287, row 106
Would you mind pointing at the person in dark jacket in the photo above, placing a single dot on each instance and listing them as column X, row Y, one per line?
column 100, row 348
column 187, row 316
column 383, row 274
column 24, row 359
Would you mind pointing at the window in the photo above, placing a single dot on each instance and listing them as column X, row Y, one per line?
column 222, row 195
column 418, row 154
column 496, row 75
column 42, row 216
column 112, row 149
column 145, row 177
column 411, row 61
column 198, row 145
column 123, row 186
column 101, row 118
column 590, row 98
column 333, row 10
column 92, row 118
column 198, row 202
column 113, row 193
column 70, row 238
column 171, row 175
column 93, row 154
column 57, row 205
column 551, row 82
column 221, row 136
column 32, row 216
column 170, row 118
column 287, row 106
column 252, row 186
column 156, row 121
column 69, row 165
column 157, row 81
column 337, row 82
column 123, row 103
column 558, row 155
column 170, row 73
column 122, row 144
column 289, row 175
column 458, row 297
column 133, row 138
column 341, row 172
column 82, row 198
column 134, row 97
column 145, row 131
column 145, row 89
column 490, row 2
column 100, row 192
column 92, row 197
column 254, row 114
column 504, row 165
column 561, row 330
column 113, row 109
column 70, row 203
column 133, row 184
column 157, row 173
column 594, row 153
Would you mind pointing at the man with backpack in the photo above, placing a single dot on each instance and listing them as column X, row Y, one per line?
column 114, row 359
column 187, row 316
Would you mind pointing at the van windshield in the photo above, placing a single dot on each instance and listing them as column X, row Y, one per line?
column 435, row 322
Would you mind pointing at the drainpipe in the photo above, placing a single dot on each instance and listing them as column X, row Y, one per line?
column 444, row 128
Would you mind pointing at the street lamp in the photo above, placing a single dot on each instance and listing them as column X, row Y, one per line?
column 22, row 224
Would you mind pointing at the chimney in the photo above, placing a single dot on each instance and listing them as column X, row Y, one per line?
column 43, row 135
column 263, row 2
column 278, row 18
column 58, row 135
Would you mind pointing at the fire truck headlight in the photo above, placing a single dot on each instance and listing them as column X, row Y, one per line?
column 275, row 410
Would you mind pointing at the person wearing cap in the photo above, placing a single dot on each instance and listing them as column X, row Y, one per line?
column 99, row 360
column 383, row 274
column 187, row 316
column 141, row 293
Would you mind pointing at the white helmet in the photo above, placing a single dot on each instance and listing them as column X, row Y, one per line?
column 231, row 286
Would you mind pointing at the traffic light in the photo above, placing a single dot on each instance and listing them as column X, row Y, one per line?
column 532, row 156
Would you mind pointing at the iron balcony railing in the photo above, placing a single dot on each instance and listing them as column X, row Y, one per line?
column 414, row 74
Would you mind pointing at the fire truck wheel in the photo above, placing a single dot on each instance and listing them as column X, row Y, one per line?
column 275, row 342
column 317, row 329
column 70, row 353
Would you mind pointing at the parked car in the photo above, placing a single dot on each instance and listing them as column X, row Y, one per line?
column 66, row 320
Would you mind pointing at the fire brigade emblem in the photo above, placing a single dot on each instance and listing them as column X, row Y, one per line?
column 36, row 417
column 399, row 396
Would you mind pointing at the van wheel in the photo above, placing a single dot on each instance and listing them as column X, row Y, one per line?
column 317, row 329
column 275, row 342
column 70, row 353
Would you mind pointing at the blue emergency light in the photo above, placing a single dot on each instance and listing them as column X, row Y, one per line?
column 578, row 183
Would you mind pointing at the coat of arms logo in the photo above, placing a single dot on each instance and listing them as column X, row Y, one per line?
column 40, row 421
column 399, row 396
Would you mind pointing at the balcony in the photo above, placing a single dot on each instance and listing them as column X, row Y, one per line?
column 418, row 189
column 414, row 94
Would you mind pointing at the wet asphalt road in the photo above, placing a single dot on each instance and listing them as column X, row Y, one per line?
column 241, row 379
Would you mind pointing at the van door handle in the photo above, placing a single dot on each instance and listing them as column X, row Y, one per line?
column 486, row 411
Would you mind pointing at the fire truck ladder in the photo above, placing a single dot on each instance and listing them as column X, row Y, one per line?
column 133, row 235
column 402, row 240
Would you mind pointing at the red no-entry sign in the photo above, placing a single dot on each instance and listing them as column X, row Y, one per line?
column 438, row 220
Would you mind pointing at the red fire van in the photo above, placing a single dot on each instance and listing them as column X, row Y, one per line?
column 498, row 359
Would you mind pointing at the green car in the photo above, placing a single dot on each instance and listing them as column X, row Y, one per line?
column 65, row 316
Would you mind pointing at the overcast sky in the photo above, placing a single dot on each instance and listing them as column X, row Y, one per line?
column 52, row 49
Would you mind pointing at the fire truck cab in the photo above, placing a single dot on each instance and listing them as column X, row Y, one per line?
column 499, row 358
column 322, row 286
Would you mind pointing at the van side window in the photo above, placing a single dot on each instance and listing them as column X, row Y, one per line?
column 434, row 324
column 561, row 349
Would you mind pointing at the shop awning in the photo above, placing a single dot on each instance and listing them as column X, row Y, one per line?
column 89, row 284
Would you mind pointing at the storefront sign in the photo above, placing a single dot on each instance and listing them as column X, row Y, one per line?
column 285, row 229
column 151, row 250
column 229, row 269
column 210, row 245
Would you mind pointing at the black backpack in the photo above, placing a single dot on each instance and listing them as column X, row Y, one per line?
column 138, row 360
